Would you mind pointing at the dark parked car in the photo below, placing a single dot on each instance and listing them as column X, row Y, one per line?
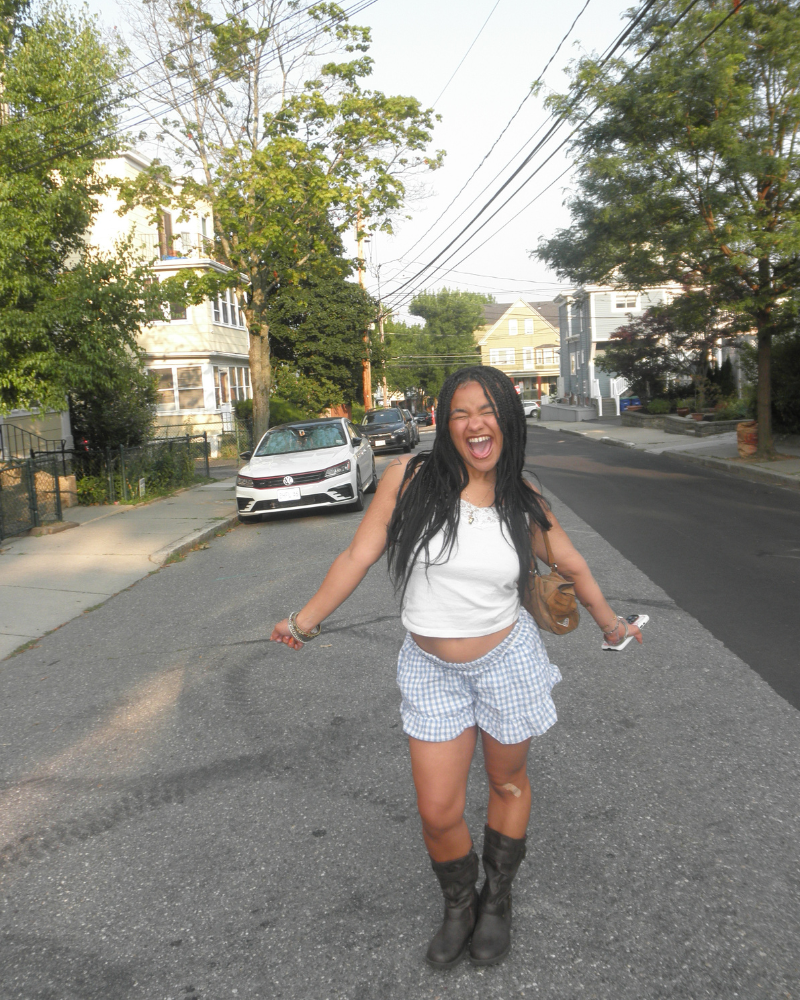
column 412, row 427
column 387, row 429
column 423, row 418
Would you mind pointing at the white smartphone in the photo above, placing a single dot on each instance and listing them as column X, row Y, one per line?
column 640, row 620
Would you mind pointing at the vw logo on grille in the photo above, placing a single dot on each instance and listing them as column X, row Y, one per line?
column 288, row 480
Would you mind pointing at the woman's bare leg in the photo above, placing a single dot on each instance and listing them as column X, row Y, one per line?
column 440, row 773
column 509, row 788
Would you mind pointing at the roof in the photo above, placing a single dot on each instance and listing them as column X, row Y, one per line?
column 494, row 311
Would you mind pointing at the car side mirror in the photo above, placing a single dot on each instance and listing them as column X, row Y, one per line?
column 357, row 441
column 245, row 455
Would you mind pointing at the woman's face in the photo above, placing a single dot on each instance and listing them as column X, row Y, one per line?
column 474, row 428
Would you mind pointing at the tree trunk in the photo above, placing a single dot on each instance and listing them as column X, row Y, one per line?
column 766, row 446
column 764, row 321
column 260, row 377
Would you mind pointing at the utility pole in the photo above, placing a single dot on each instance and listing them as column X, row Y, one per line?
column 381, row 317
column 366, row 365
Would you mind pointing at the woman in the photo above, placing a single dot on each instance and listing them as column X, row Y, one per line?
column 458, row 525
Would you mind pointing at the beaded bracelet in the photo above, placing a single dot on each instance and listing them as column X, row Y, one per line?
column 299, row 634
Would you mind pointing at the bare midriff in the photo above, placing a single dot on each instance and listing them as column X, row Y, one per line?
column 462, row 650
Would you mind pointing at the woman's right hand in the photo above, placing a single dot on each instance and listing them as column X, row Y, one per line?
column 281, row 633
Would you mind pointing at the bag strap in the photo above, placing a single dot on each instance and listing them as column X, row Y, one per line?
column 549, row 551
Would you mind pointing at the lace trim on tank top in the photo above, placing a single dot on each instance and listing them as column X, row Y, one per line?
column 478, row 517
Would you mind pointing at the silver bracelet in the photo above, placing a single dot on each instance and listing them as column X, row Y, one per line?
column 613, row 630
column 299, row 634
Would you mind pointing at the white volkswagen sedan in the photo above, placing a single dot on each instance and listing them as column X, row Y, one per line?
column 311, row 463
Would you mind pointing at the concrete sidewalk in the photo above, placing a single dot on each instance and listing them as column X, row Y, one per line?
column 718, row 452
column 45, row 581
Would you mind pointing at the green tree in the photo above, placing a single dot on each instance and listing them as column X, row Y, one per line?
column 688, row 167
column 317, row 332
column 278, row 141
column 423, row 356
column 68, row 317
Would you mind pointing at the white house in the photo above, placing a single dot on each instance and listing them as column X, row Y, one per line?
column 199, row 354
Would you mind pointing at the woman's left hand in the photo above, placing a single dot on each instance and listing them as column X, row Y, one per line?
column 281, row 633
column 636, row 632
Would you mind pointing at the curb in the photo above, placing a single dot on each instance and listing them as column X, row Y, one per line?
column 762, row 476
column 189, row 541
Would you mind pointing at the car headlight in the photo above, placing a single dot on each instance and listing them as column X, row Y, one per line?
column 338, row 470
column 400, row 433
column 243, row 481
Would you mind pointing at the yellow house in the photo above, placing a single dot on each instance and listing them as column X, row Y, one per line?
column 521, row 339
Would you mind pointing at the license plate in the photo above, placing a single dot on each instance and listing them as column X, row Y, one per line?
column 379, row 444
column 290, row 493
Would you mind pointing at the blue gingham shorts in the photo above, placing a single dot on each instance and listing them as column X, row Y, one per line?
column 506, row 692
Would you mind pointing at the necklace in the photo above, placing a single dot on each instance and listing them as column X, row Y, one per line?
column 471, row 515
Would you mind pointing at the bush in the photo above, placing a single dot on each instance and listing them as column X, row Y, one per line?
column 357, row 411
column 685, row 404
column 658, row 406
column 734, row 409
column 91, row 490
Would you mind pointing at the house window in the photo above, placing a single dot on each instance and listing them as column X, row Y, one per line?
column 539, row 356
column 179, row 389
column 494, row 357
column 626, row 300
column 572, row 365
column 240, row 383
column 231, row 384
column 165, row 382
column 190, row 388
column 508, row 356
column 512, row 328
column 529, row 327
column 527, row 358
column 226, row 309
column 548, row 356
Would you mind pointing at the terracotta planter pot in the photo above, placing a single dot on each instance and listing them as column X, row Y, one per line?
column 747, row 438
column 684, row 411
column 697, row 416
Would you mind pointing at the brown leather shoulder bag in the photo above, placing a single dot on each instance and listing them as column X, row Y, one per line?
column 550, row 599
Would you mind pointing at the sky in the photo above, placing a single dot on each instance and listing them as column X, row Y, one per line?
column 474, row 61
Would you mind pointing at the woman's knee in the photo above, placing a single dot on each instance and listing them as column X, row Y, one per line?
column 440, row 813
column 509, row 784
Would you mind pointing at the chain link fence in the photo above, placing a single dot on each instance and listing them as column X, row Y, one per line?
column 30, row 494
column 152, row 469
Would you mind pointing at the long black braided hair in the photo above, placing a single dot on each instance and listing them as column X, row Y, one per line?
column 428, row 501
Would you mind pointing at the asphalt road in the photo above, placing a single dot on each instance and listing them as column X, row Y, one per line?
column 727, row 551
column 188, row 810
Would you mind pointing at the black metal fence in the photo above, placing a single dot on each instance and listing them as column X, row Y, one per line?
column 30, row 489
column 30, row 494
column 126, row 474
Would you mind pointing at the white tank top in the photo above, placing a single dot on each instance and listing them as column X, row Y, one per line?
column 473, row 592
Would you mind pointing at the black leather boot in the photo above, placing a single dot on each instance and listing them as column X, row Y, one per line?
column 457, row 879
column 491, row 939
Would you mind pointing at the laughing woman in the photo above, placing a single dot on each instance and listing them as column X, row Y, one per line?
column 458, row 525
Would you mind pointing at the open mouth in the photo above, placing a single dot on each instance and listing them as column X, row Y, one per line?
column 480, row 447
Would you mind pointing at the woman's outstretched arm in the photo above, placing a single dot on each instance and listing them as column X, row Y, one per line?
column 350, row 568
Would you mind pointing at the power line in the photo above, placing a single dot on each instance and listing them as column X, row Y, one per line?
column 502, row 133
column 472, row 46
column 552, row 131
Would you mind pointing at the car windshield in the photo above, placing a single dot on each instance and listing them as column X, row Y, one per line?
column 301, row 437
column 382, row 417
